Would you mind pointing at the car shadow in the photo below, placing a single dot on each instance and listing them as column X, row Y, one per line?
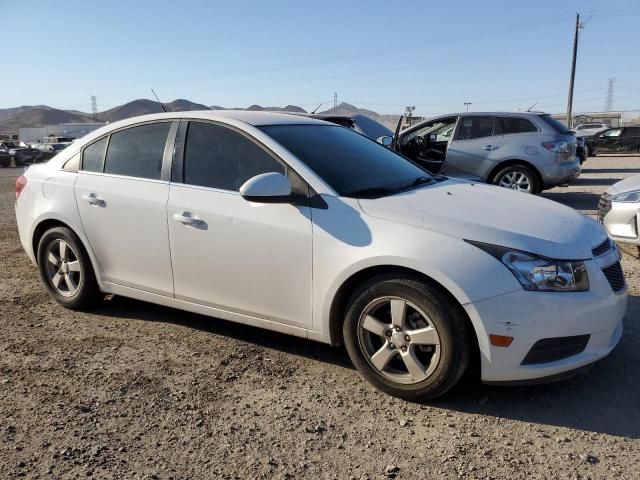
column 576, row 200
column 604, row 400
column 610, row 170
column 595, row 181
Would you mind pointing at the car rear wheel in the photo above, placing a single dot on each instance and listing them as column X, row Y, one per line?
column 406, row 338
column 518, row 178
column 66, row 270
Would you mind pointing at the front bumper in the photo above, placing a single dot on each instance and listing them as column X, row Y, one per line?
column 620, row 219
column 529, row 317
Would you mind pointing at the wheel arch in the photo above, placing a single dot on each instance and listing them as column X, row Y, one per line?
column 515, row 162
column 346, row 289
column 48, row 223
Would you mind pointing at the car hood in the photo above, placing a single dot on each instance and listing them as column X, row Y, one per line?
column 626, row 185
column 494, row 215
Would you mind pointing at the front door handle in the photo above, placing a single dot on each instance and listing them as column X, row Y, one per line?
column 186, row 219
column 94, row 199
column 489, row 148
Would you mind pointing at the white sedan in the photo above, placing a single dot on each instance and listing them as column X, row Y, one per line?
column 307, row 228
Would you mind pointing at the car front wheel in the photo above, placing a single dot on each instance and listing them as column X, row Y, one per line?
column 66, row 270
column 406, row 337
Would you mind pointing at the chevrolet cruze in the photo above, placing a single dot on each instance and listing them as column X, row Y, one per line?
column 307, row 228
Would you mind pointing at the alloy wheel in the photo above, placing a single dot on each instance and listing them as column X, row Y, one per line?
column 516, row 181
column 399, row 340
column 63, row 268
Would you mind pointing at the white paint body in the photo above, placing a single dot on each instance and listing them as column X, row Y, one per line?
column 279, row 266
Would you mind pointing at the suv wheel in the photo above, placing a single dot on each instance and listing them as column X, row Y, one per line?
column 66, row 270
column 406, row 338
column 517, row 177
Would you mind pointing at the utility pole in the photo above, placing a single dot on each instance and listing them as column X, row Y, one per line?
column 466, row 104
column 408, row 112
column 608, row 106
column 94, row 107
column 573, row 72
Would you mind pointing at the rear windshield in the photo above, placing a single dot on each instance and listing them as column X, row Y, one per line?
column 557, row 125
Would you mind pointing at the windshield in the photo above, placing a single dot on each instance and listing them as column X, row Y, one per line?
column 353, row 165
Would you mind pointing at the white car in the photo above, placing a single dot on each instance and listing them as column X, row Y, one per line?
column 619, row 210
column 307, row 228
column 589, row 129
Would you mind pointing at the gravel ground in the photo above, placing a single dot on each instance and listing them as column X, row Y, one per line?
column 133, row 390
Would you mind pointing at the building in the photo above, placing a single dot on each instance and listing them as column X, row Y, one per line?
column 69, row 130
column 613, row 119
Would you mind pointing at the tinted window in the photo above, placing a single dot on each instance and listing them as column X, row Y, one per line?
column 555, row 124
column 509, row 125
column 631, row 132
column 219, row 157
column 349, row 162
column 93, row 156
column 138, row 151
column 613, row 132
column 475, row 127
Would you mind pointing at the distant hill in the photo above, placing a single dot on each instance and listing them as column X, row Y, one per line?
column 389, row 121
column 37, row 116
column 11, row 119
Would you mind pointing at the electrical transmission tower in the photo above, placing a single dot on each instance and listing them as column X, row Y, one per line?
column 608, row 105
column 335, row 101
column 94, row 107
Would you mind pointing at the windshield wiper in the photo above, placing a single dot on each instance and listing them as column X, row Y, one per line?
column 416, row 183
column 372, row 192
column 382, row 191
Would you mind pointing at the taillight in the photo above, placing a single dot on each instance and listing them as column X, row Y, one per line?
column 557, row 147
column 21, row 182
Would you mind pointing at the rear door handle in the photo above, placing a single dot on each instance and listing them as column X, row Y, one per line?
column 186, row 219
column 94, row 199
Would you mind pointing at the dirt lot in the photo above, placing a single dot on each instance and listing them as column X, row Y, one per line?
column 134, row 390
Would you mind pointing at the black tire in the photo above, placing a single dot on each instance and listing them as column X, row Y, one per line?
column 531, row 176
column 443, row 315
column 88, row 292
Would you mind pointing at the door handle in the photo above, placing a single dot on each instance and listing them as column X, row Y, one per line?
column 93, row 199
column 186, row 219
column 488, row 148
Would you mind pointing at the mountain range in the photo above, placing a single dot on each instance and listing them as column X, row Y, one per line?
column 11, row 119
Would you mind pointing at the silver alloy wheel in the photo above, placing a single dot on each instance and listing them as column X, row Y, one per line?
column 515, row 180
column 63, row 268
column 399, row 340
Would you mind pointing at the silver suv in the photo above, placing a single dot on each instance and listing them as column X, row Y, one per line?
column 524, row 151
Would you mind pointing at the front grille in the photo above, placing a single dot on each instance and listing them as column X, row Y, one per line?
column 615, row 276
column 554, row 349
column 601, row 249
column 604, row 206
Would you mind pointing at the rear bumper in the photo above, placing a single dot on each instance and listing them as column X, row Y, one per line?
column 529, row 317
column 561, row 173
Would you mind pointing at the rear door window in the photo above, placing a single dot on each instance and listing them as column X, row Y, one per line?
column 473, row 127
column 509, row 125
column 138, row 151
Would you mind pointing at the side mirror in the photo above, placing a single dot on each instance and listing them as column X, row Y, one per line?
column 433, row 138
column 386, row 141
column 269, row 187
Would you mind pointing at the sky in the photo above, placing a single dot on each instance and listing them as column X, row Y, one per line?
column 380, row 55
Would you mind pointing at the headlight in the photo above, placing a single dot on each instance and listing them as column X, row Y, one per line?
column 539, row 273
column 627, row 197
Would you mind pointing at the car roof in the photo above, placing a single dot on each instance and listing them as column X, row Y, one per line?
column 254, row 118
column 476, row 114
